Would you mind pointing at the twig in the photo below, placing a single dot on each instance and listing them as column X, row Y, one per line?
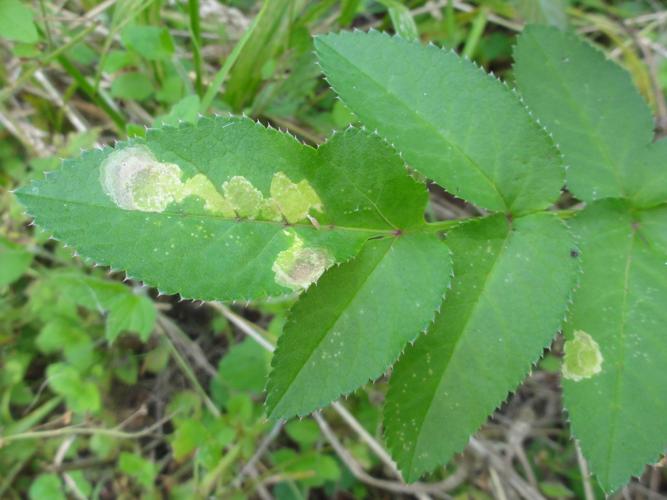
column 85, row 431
column 417, row 489
column 589, row 494
column 261, row 449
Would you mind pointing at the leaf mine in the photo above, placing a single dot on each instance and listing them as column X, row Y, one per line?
column 582, row 358
column 135, row 180
column 298, row 267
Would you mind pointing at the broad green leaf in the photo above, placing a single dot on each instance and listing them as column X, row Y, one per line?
column 353, row 325
column 16, row 22
column 227, row 209
column 615, row 398
column 452, row 122
column 590, row 105
column 511, row 284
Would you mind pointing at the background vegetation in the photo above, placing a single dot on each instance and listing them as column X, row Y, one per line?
column 108, row 390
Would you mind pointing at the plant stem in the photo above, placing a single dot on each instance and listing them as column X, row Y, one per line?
column 475, row 34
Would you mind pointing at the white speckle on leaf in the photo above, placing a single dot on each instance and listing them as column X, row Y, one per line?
column 582, row 357
column 298, row 267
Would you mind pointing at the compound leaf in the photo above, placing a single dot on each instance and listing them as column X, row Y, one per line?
column 451, row 121
column 508, row 298
column 613, row 383
column 353, row 325
column 591, row 107
column 227, row 209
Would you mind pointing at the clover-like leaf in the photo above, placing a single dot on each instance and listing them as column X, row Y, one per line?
column 226, row 208
column 616, row 398
column 452, row 122
column 511, row 285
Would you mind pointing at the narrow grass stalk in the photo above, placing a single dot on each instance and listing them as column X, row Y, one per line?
column 221, row 75
column 195, row 29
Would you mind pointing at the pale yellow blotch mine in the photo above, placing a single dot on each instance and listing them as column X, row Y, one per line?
column 298, row 267
column 582, row 357
column 294, row 201
column 201, row 186
column 135, row 180
column 245, row 198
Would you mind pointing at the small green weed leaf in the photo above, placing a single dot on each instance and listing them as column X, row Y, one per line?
column 126, row 310
column 315, row 467
column 81, row 396
column 305, row 432
column 133, row 86
column 227, row 209
column 353, row 325
column 508, row 298
column 16, row 22
column 152, row 42
column 141, row 469
column 590, row 105
column 616, row 398
column 245, row 367
column 451, row 121
column 189, row 435
column 47, row 486
column 14, row 261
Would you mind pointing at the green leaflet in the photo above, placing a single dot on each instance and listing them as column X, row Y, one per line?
column 618, row 413
column 594, row 112
column 125, row 310
column 353, row 325
column 226, row 209
column 508, row 298
column 451, row 121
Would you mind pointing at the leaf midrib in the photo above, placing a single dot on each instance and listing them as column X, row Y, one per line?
column 324, row 227
column 420, row 118
column 619, row 379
